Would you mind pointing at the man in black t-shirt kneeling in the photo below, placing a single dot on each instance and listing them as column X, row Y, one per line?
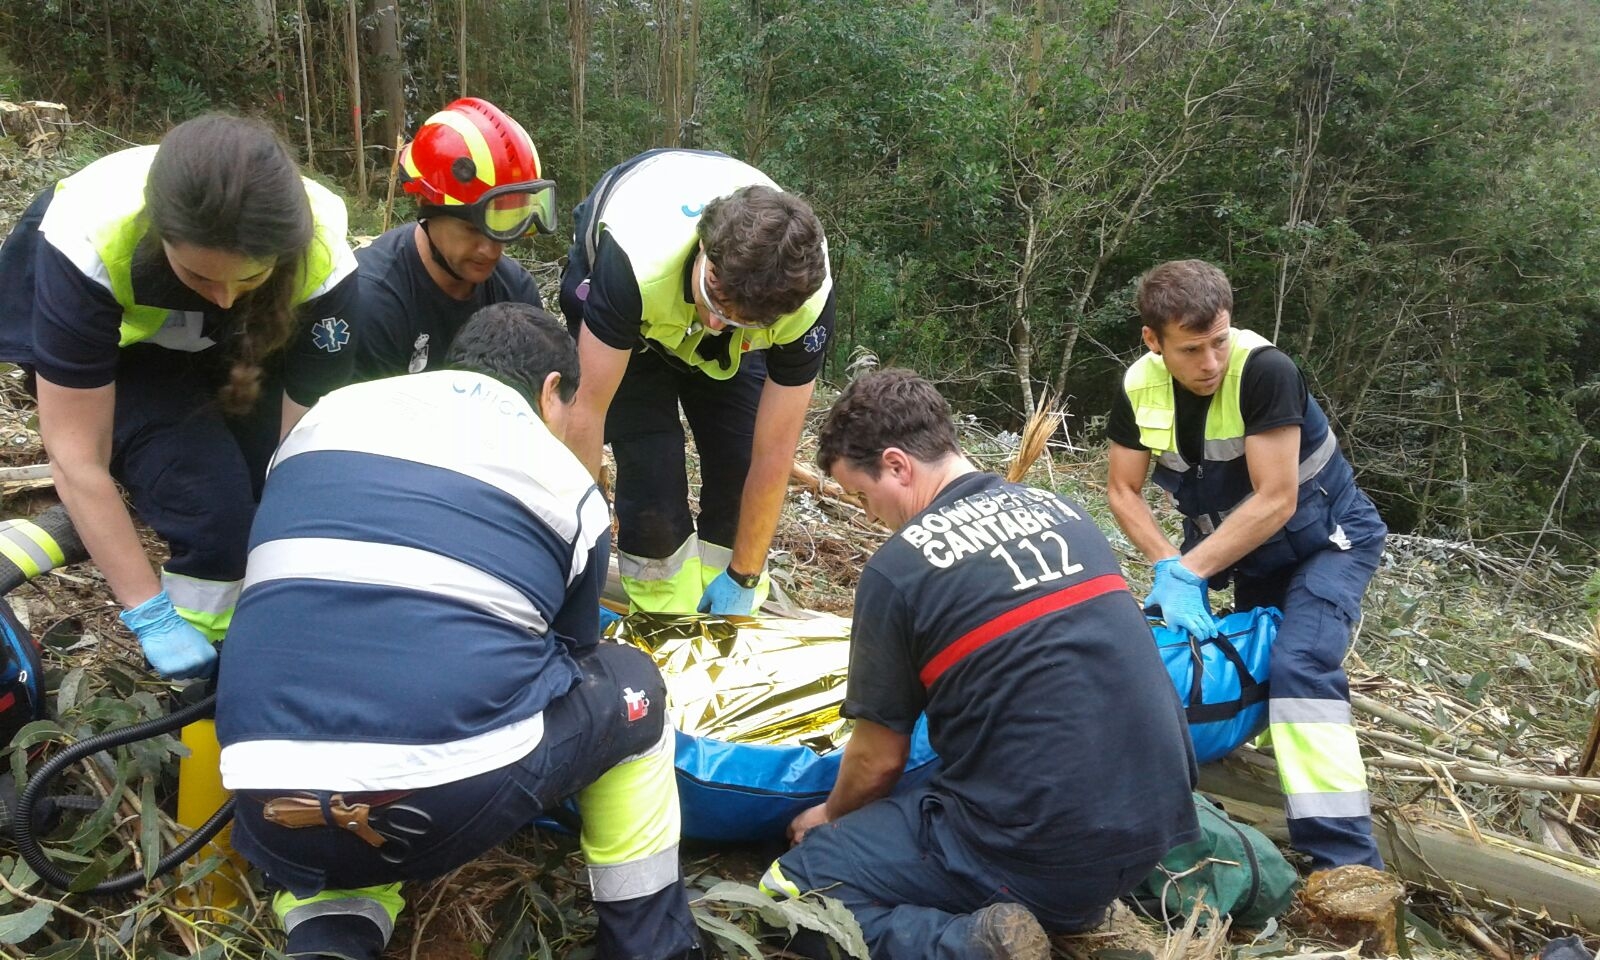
column 999, row 610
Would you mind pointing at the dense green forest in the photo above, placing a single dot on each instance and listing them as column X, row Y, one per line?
column 1403, row 191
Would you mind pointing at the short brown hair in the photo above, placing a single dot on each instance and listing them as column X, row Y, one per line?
column 766, row 246
column 1190, row 293
column 883, row 409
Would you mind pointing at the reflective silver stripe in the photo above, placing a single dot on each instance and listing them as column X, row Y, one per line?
column 27, row 545
column 1172, row 461
column 1294, row 710
column 1228, row 448
column 1312, row 465
column 635, row 878
column 204, row 596
column 657, row 568
column 344, row 264
column 715, row 555
column 1357, row 803
column 389, row 565
column 346, row 907
column 1309, row 468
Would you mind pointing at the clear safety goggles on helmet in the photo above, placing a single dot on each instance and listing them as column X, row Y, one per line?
column 509, row 212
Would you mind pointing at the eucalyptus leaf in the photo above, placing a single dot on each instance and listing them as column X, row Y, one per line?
column 211, row 951
column 21, row 876
column 149, row 707
column 98, row 825
column 17, row 927
column 108, row 712
column 149, row 828
column 204, row 869
column 36, row 732
column 97, row 871
column 729, row 934
column 70, row 689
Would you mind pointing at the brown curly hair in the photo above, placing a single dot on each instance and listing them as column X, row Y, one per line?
column 228, row 183
column 766, row 246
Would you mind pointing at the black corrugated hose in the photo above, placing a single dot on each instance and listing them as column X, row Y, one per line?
column 33, row 810
column 22, row 823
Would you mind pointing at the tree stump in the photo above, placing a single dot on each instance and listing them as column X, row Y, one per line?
column 39, row 126
column 1353, row 904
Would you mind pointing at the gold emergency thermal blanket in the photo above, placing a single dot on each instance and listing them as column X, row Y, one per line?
column 745, row 680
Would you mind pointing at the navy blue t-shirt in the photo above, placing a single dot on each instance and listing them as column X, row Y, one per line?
column 1001, row 612
column 408, row 323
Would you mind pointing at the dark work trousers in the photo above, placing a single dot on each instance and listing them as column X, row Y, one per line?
column 194, row 475
column 433, row 830
column 1321, row 601
column 912, row 881
column 646, row 437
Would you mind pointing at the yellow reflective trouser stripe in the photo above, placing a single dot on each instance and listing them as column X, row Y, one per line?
column 777, row 886
column 206, row 604
column 675, row 584
column 34, row 543
column 1318, row 758
column 663, row 584
column 380, row 904
column 631, row 824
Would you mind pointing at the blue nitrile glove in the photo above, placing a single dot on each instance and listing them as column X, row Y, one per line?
column 1181, row 595
column 725, row 597
column 608, row 616
column 172, row 644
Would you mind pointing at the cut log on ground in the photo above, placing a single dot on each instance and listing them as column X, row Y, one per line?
column 1353, row 905
column 38, row 125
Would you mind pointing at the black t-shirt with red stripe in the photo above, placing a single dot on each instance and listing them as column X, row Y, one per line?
column 1001, row 612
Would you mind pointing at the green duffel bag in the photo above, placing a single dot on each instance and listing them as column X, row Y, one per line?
column 1233, row 869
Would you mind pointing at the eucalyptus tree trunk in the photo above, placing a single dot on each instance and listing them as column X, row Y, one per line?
column 386, row 70
column 578, row 57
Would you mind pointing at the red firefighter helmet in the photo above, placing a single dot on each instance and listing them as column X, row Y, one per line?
column 472, row 161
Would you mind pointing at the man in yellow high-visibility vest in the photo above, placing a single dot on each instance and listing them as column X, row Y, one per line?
column 1268, row 501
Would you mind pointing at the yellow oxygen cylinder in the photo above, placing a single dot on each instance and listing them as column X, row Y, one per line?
column 200, row 793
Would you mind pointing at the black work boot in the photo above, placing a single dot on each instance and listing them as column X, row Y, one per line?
column 1008, row 931
column 339, row 936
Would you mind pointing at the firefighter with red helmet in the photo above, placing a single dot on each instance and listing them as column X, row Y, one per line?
column 479, row 186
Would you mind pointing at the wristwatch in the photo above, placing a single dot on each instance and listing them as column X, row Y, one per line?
column 747, row 581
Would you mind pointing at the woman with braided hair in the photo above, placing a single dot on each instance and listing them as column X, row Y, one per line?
column 177, row 309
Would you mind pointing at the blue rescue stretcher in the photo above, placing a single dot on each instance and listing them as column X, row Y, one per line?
column 738, row 792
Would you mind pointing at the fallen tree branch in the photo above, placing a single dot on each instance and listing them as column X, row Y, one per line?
column 1471, row 773
column 37, row 471
column 1406, row 721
